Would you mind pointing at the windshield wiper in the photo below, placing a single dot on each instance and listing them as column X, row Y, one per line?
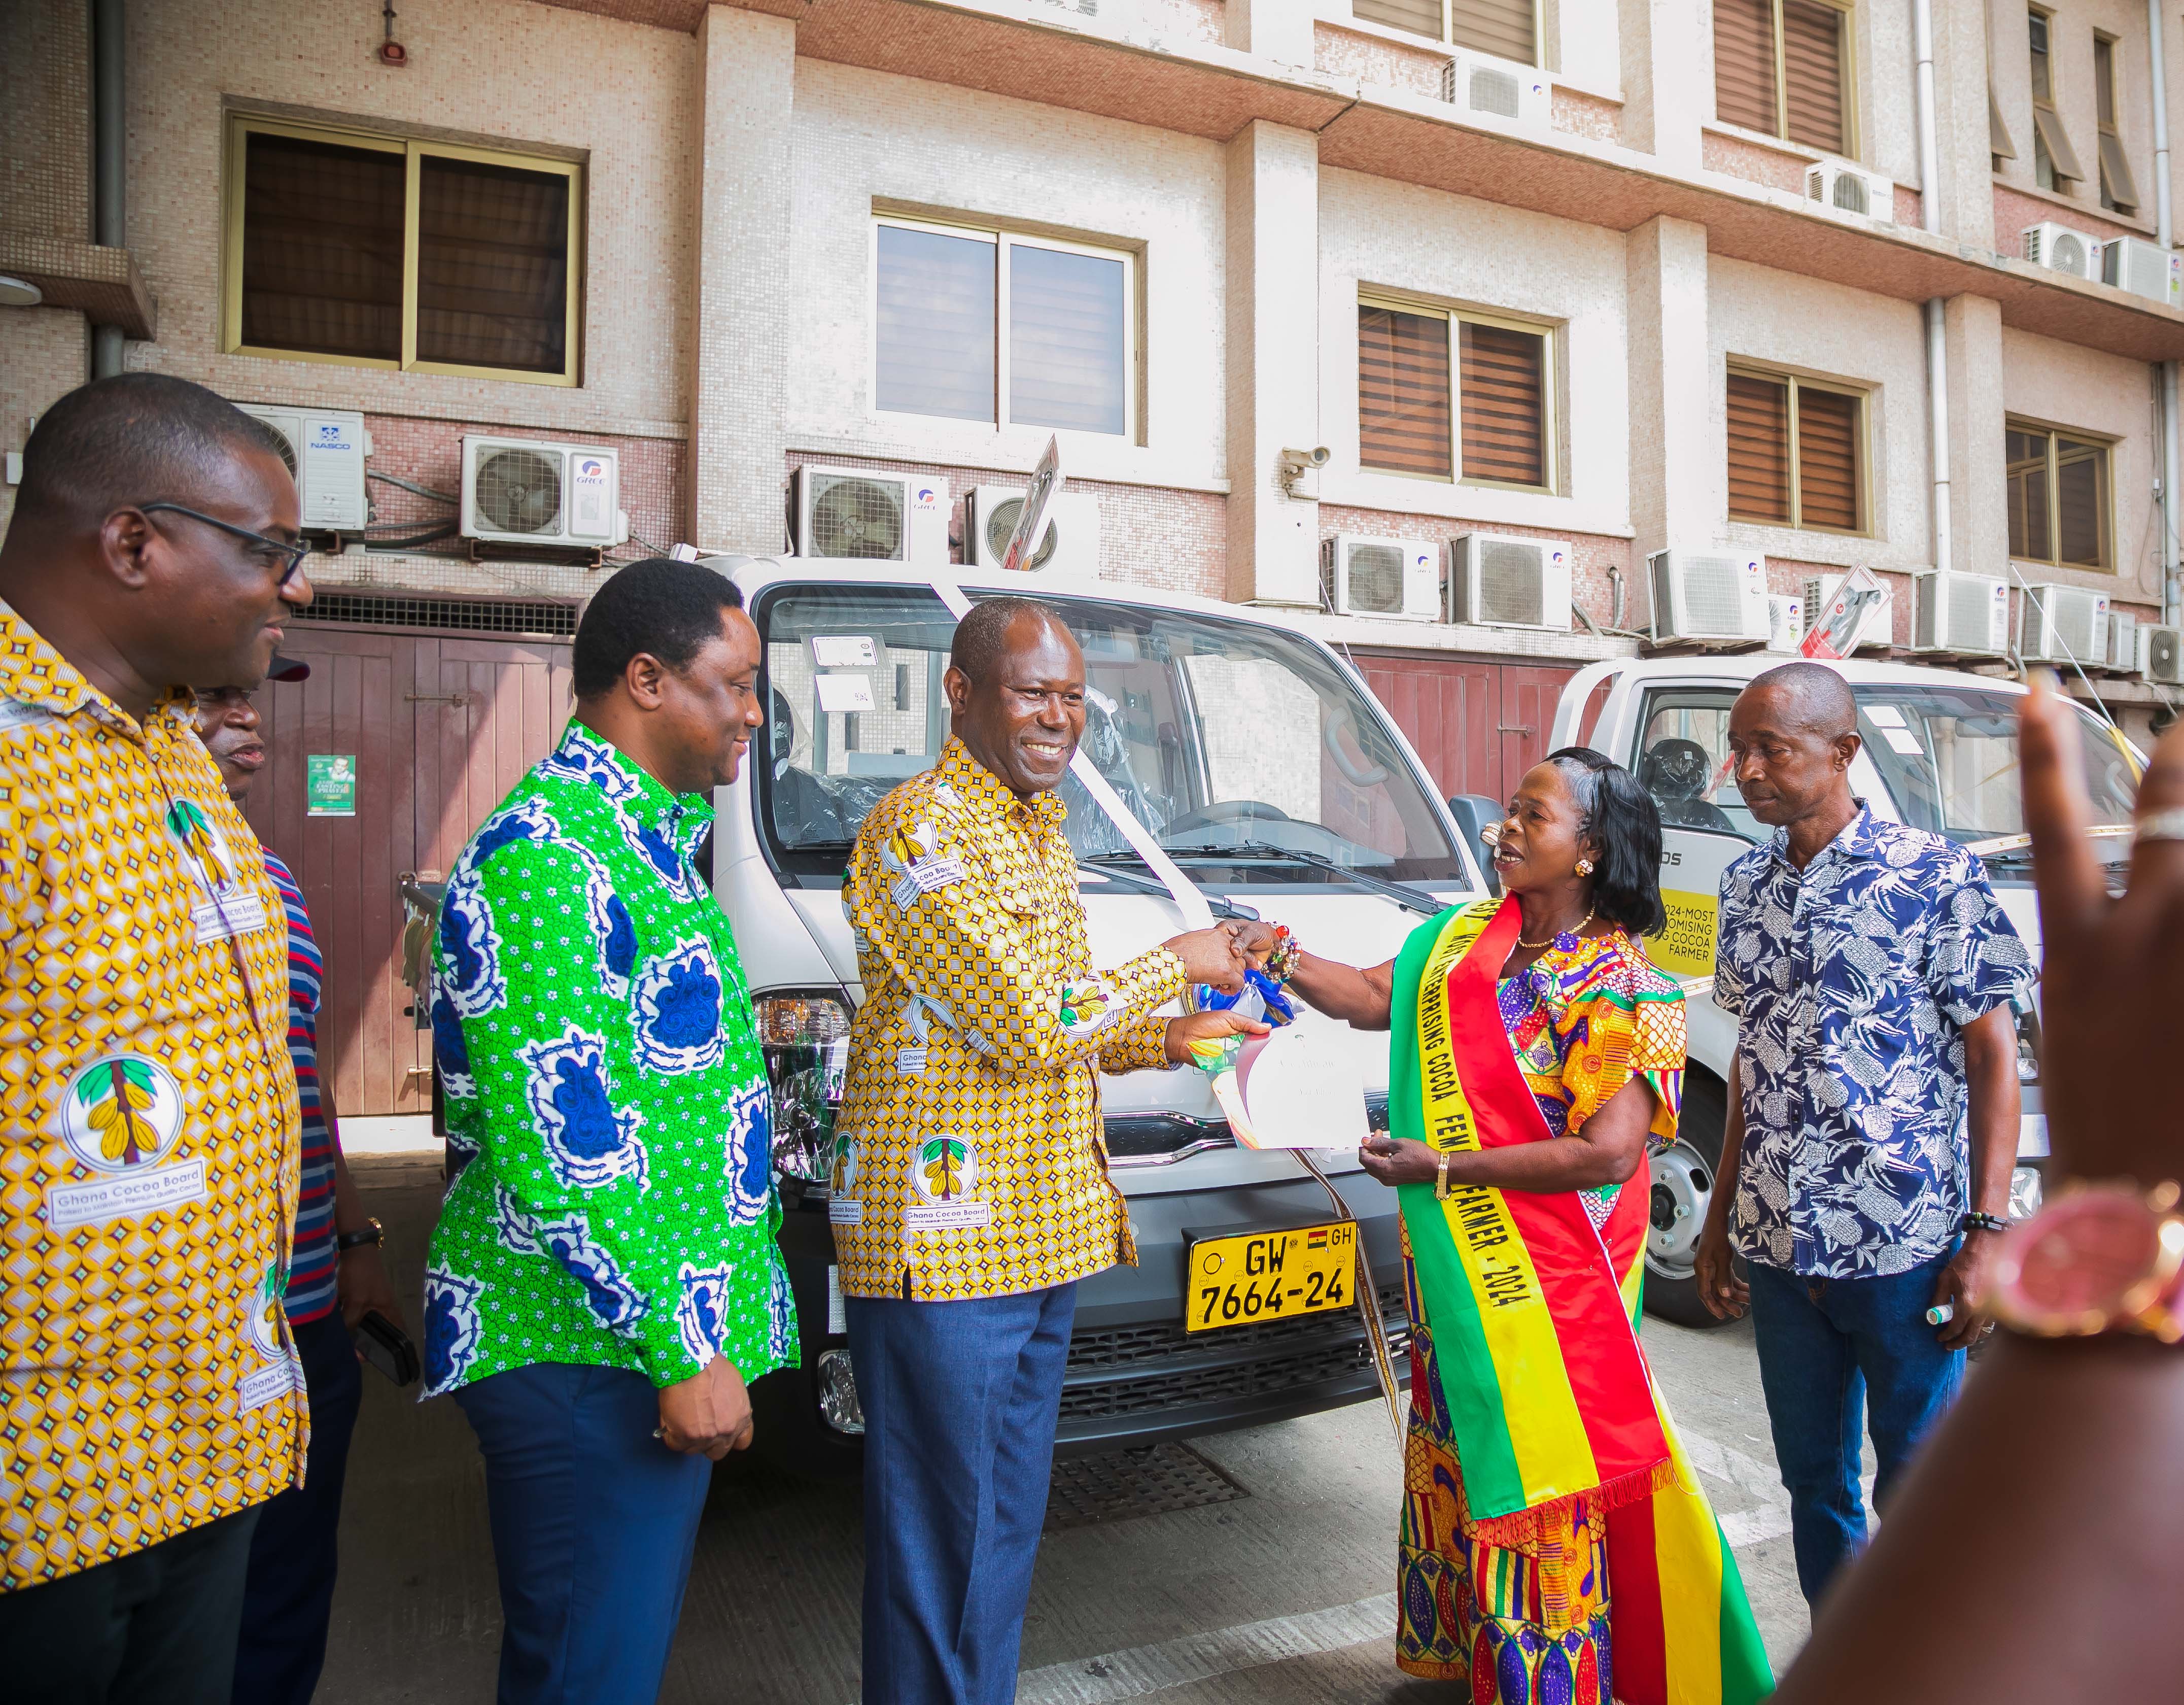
column 1417, row 900
column 1111, row 866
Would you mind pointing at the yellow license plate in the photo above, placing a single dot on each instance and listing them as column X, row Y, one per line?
column 1270, row 1275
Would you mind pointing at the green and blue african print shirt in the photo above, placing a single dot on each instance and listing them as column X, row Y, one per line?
column 594, row 1031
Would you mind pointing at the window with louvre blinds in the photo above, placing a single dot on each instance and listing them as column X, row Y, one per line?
column 1783, row 67
column 379, row 250
column 1454, row 397
column 1508, row 29
column 1797, row 452
column 982, row 325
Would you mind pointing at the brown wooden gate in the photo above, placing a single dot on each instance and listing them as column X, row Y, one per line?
column 1478, row 725
column 441, row 727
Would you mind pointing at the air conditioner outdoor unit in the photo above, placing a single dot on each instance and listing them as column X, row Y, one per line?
column 326, row 452
column 1700, row 595
column 1879, row 627
column 1069, row 543
column 1966, row 614
column 2063, row 624
column 1842, row 187
column 1396, row 578
column 1785, row 622
column 2144, row 269
column 2061, row 249
column 523, row 491
column 2160, row 653
column 1499, row 582
column 852, row 512
column 2122, row 655
column 1480, row 84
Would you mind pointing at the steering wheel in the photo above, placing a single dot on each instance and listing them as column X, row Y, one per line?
column 1226, row 811
column 1366, row 775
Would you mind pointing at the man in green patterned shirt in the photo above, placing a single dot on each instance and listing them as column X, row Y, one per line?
column 604, row 1280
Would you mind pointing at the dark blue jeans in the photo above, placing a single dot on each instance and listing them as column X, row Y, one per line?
column 594, row 1521
column 1830, row 1350
column 960, row 1402
column 290, row 1593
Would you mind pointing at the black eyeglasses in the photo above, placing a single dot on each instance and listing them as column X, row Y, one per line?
column 289, row 556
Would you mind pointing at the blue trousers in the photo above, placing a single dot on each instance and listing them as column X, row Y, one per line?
column 960, row 1402
column 1830, row 1350
column 290, row 1593
column 594, row 1521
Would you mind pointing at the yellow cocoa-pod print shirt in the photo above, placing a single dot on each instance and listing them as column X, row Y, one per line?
column 969, row 1159
column 148, row 1133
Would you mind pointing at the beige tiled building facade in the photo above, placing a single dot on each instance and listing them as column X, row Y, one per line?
column 918, row 236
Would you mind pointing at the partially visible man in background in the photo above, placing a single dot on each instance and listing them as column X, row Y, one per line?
column 153, row 1401
column 335, row 1278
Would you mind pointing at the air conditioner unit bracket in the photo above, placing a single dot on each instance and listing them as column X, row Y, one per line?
column 567, row 555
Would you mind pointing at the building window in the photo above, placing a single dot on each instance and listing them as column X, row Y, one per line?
column 1413, row 362
column 382, row 251
column 1797, row 452
column 1508, row 29
column 987, row 326
column 2054, row 161
column 1783, row 67
column 2058, row 498
column 2119, row 192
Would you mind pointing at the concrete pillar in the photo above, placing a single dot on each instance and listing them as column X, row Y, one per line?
column 1961, row 135
column 1679, row 466
column 1979, row 512
column 742, row 308
column 1271, row 28
column 1668, row 72
column 1273, row 361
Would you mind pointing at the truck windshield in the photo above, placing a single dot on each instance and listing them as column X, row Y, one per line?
column 1218, row 735
column 1949, row 756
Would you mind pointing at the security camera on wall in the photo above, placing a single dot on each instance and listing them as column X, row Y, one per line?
column 1300, row 472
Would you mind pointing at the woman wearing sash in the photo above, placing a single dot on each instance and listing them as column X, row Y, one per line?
column 1556, row 1548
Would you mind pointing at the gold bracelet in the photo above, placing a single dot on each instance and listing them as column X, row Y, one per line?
column 1441, row 1180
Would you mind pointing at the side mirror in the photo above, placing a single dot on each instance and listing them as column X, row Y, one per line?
column 1473, row 812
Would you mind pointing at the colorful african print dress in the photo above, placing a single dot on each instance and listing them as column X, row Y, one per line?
column 1515, row 1600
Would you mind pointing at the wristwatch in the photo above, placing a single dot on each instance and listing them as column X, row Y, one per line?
column 373, row 1232
column 2099, row 1257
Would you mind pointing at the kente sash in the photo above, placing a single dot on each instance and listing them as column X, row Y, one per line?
column 1546, row 1393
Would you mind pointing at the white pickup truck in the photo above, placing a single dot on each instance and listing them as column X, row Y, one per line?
column 1940, row 754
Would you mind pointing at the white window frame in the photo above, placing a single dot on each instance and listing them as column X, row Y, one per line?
column 1000, row 237
column 1550, row 393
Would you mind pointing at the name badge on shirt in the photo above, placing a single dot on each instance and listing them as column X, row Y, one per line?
column 910, row 1061
column 944, row 1217
column 845, row 1210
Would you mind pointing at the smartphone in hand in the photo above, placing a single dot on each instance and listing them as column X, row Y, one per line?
column 386, row 1347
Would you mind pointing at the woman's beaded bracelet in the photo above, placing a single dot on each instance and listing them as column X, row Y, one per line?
column 1281, row 960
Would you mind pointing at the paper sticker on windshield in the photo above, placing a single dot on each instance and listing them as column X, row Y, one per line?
column 909, row 858
column 843, row 650
column 844, row 692
column 1904, row 741
column 1885, row 716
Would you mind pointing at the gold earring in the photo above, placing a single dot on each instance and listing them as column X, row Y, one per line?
column 1585, row 866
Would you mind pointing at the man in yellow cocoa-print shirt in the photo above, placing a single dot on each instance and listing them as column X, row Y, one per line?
column 149, row 1396
column 970, row 1188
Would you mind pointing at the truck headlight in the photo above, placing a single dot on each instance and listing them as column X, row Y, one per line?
column 2024, row 1192
column 838, row 1392
column 805, row 1037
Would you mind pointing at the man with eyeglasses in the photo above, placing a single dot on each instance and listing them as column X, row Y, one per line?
column 152, row 1398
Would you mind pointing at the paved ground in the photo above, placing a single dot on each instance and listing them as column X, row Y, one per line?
column 1284, row 1594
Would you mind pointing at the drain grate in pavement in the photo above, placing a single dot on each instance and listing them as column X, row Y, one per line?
column 1143, row 1480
